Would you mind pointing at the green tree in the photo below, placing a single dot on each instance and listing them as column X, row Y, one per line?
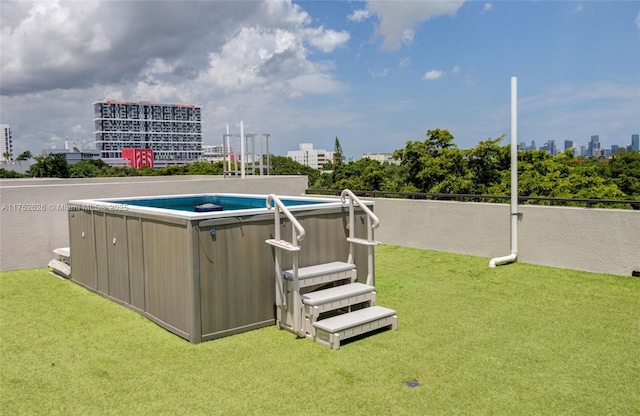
column 487, row 161
column 49, row 166
column 9, row 174
column 87, row 169
column 283, row 165
column 26, row 155
column 418, row 158
column 173, row 170
column 624, row 170
column 205, row 168
column 338, row 155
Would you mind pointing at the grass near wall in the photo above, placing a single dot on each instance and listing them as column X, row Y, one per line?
column 518, row 339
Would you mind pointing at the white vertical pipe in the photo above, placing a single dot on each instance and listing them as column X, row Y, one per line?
column 260, row 137
column 253, row 154
column 241, row 149
column 268, row 157
column 514, row 165
column 227, row 151
column 513, row 211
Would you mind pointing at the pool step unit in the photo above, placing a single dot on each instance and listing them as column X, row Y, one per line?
column 61, row 265
column 334, row 306
column 325, row 302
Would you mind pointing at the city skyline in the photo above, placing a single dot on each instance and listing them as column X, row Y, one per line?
column 374, row 74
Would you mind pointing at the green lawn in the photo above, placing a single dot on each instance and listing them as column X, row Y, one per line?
column 517, row 339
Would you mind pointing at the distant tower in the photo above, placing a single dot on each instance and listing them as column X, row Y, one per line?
column 550, row 146
column 594, row 146
column 568, row 144
column 6, row 143
column 173, row 131
column 635, row 142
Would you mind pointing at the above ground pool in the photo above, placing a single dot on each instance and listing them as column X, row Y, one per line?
column 201, row 275
column 227, row 202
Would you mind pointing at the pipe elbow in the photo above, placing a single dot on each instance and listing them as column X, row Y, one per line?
column 502, row 260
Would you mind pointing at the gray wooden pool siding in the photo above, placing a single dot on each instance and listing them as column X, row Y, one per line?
column 200, row 279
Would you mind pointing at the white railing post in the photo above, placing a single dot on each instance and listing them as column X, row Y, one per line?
column 297, row 234
column 352, row 228
column 372, row 222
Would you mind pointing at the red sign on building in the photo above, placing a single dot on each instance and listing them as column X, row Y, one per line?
column 138, row 157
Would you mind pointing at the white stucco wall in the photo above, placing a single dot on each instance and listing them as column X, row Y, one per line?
column 598, row 240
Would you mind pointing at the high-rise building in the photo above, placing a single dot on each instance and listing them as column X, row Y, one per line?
column 635, row 142
column 568, row 144
column 307, row 155
column 6, row 143
column 593, row 147
column 550, row 146
column 172, row 131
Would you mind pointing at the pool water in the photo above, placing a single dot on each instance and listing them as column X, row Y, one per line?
column 188, row 203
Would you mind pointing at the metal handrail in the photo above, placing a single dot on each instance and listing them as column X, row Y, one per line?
column 554, row 201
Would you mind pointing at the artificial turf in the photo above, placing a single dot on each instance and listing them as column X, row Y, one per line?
column 517, row 339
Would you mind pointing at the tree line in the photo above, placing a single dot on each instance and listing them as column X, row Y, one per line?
column 432, row 165
column 437, row 165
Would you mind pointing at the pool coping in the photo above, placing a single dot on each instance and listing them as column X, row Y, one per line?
column 108, row 205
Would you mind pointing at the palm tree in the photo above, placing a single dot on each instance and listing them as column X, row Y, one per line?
column 26, row 155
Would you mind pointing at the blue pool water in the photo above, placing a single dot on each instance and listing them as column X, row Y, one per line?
column 188, row 203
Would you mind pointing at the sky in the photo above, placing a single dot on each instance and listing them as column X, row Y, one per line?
column 374, row 74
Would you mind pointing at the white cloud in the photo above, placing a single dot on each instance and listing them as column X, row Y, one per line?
column 407, row 36
column 637, row 21
column 253, row 57
column 359, row 15
column 456, row 70
column 578, row 9
column 487, row 7
column 327, row 40
column 315, row 83
column 433, row 75
column 246, row 60
column 398, row 19
column 405, row 63
column 285, row 11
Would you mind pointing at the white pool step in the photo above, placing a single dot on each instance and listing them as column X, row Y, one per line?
column 61, row 265
column 62, row 252
column 323, row 273
column 336, row 294
column 332, row 331
column 336, row 298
